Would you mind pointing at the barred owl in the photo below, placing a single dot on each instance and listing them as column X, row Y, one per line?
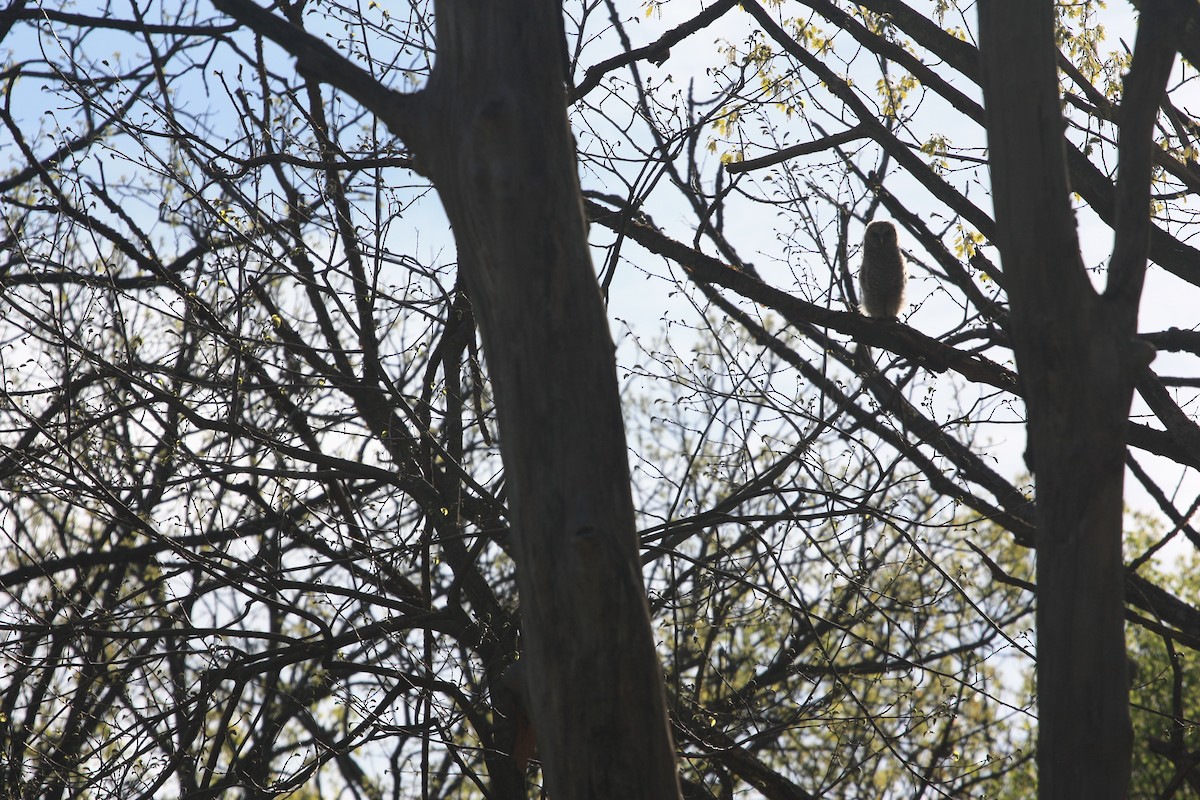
column 883, row 276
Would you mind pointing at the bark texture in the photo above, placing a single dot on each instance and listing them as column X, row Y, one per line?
column 1078, row 363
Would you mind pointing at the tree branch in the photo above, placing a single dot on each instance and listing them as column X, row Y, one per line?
column 400, row 111
column 657, row 51
column 900, row 339
column 1153, row 58
column 802, row 149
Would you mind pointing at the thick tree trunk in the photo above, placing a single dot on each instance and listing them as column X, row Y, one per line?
column 497, row 145
column 1078, row 362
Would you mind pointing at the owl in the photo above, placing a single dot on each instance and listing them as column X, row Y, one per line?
column 883, row 275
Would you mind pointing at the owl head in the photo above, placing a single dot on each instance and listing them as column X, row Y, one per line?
column 881, row 233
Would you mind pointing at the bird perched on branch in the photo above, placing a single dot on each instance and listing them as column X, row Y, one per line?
column 883, row 276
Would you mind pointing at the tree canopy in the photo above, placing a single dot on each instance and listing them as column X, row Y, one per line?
column 260, row 535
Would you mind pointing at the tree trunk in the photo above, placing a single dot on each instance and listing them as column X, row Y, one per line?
column 497, row 144
column 1078, row 361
